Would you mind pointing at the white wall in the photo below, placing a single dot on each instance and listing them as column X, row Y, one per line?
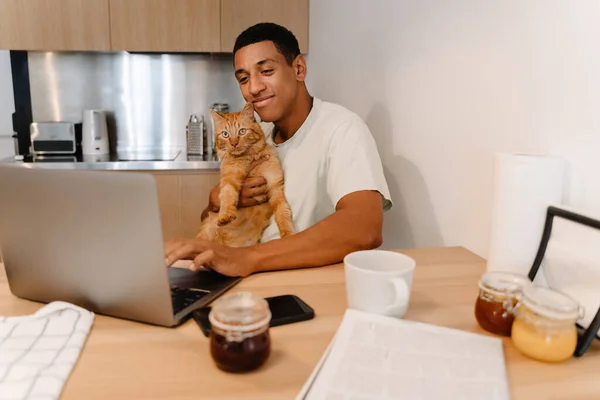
column 7, row 106
column 444, row 85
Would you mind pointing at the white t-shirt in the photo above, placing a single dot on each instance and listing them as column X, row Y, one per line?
column 332, row 154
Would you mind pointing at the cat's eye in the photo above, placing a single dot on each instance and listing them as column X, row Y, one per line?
column 242, row 131
column 225, row 134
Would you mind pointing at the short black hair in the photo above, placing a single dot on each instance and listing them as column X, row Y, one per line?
column 283, row 39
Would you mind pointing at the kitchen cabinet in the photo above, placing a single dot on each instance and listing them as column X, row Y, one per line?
column 167, row 187
column 142, row 25
column 182, row 195
column 194, row 191
column 165, row 25
column 237, row 15
column 59, row 25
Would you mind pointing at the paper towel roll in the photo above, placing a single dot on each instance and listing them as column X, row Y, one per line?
column 524, row 186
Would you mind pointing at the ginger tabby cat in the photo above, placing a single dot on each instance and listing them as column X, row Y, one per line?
column 239, row 140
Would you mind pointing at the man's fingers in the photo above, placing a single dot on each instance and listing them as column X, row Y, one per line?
column 172, row 245
column 255, row 191
column 184, row 252
column 261, row 199
column 202, row 259
column 184, row 249
column 254, row 181
column 247, row 202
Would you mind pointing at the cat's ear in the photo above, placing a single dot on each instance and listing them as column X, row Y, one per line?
column 248, row 111
column 218, row 118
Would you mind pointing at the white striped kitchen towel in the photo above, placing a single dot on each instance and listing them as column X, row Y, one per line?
column 38, row 351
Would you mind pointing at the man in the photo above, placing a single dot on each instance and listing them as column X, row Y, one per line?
column 334, row 180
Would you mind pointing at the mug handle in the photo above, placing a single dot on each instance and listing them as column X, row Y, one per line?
column 402, row 293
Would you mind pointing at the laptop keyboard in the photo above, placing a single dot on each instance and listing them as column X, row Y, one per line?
column 183, row 298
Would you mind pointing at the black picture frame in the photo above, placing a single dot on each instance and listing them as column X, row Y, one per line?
column 585, row 336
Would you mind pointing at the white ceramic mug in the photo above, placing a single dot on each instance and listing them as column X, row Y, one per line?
column 379, row 281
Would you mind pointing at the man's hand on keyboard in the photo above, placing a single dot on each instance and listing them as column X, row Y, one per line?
column 230, row 261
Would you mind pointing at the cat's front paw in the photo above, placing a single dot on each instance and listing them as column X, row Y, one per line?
column 286, row 233
column 226, row 217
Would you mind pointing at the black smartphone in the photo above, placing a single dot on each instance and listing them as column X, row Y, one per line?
column 285, row 309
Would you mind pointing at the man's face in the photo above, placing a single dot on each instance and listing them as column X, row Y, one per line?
column 266, row 80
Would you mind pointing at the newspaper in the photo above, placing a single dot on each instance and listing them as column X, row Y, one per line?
column 377, row 357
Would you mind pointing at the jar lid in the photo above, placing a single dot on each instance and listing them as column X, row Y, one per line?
column 501, row 282
column 550, row 303
column 242, row 312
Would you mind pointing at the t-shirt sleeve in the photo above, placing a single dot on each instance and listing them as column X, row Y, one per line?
column 354, row 163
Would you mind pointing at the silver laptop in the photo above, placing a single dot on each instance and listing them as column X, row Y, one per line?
column 94, row 239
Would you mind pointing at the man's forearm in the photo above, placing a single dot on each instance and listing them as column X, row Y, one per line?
column 325, row 243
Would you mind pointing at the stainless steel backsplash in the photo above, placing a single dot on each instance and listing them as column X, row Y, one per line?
column 148, row 97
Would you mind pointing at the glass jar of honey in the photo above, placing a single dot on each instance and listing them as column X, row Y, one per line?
column 239, row 339
column 544, row 326
column 497, row 290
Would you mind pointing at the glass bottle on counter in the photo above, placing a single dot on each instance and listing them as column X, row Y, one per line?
column 544, row 326
column 239, row 339
column 497, row 291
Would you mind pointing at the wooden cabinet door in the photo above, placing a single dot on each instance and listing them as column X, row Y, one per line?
column 169, row 199
column 54, row 25
column 182, row 195
column 237, row 15
column 195, row 190
column 165, row 25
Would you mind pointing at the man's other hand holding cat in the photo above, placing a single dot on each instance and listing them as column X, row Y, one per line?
column 253, row 192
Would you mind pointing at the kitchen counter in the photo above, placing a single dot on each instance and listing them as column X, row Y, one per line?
column 180, row 162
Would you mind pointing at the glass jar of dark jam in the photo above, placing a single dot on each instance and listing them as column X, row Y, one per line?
column 497, row 291
column 239, row 339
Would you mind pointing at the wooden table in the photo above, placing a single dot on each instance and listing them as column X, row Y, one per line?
column 129, row 360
